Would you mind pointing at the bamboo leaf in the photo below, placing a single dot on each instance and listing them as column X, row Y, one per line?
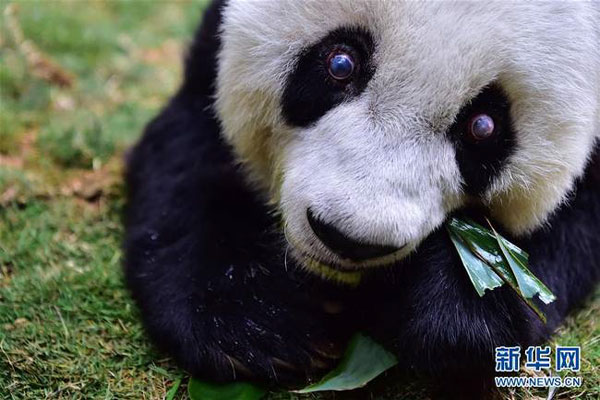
column 483, row 244
column 363, row 361
column 478, row 239
column 481, row 275
column 529, row 284
column 499, row 256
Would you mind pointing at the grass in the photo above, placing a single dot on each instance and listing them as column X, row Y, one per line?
column 78, row 81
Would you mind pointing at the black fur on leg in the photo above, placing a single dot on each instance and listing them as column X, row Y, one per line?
column 205, row 260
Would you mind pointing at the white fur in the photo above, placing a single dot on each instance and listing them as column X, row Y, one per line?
column 379, row 167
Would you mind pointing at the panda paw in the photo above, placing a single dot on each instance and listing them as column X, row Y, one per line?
column 278, row 339
column 277, row 346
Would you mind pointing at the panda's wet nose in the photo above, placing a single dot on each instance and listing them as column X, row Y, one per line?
column 344, row 246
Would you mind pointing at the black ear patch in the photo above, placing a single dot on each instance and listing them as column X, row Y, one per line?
column 310, row 91
column 481, row 161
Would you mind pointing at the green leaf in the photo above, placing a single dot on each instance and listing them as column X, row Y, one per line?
column 481, row 275
column 484, row 245
column 498, row 256
column 363, row 361
column 173, row 390
column 200, row 390
column 529, row 285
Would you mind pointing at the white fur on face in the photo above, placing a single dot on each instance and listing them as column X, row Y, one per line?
column 379, row 167
column 385, row 182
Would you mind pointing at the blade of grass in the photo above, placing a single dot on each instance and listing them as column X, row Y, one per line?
column 173, row 390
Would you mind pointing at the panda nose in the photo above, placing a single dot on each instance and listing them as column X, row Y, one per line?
column 344, row 246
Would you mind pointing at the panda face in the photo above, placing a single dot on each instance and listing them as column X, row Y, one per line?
column 369, row 122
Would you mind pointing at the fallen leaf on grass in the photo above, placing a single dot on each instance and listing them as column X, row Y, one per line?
column 363, row 361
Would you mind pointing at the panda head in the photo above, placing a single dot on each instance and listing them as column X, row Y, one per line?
column 367, row 122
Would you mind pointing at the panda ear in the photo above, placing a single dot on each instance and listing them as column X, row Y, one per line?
column 201, row 60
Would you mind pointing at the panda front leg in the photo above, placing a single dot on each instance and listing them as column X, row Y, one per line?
column 208, row 268
column 429, row 314
column 428, row 311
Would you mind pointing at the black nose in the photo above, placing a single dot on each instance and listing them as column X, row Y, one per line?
column 344, row 246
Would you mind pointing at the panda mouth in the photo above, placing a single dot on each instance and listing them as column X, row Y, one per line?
column 331, row 266
column 347, row 273
column 332, row 272
column 344, row 246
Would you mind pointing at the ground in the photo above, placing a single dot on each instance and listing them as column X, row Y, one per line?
column 78, row 81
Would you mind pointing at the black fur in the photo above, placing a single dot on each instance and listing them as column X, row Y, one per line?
column 310, row 92
column 205, row 261
column 481, row 161
column 203, row 258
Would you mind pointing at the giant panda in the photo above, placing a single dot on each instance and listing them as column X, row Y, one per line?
column 314, row 140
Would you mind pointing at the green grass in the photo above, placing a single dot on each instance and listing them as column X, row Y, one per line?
column 67, row 326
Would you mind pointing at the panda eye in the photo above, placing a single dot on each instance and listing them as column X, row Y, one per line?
column 483, row 137
column 340, row 65
column 328, row 73
column 481, row 127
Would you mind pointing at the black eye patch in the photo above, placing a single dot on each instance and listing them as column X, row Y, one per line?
column 481, row 157
column 311, row 91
